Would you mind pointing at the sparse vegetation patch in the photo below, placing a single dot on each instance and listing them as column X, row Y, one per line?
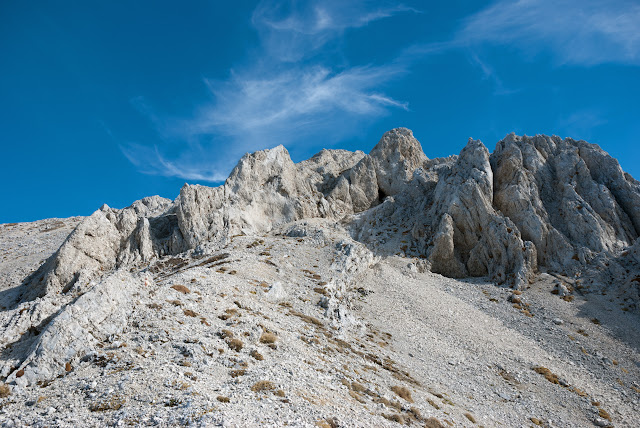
column 262, row 386
column 235, row 344
column 402, row 392
column 5, row 390
column 181, row 288
column 268, row 338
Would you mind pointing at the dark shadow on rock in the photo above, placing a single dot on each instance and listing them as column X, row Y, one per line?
column 31, row 287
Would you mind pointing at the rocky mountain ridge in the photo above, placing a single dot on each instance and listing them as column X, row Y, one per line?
column 536, row 202
column 538, row 210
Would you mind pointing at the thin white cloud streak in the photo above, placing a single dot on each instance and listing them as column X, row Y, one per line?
column 149, row 160
column 293, row 30
column 250, row 107
column 587, row 32
column 490, row 74
column 287, row 95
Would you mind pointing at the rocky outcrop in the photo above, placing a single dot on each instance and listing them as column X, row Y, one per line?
column 99, row 313
column 110, row 239
column 265, row 190
column 535, row 202
column 570, row 198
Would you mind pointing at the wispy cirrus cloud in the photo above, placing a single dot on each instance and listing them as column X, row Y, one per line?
column 290, row 92
column 294, row 30
column 293, row 104
column 574, row 33
column 586, row 33
column 489, row 73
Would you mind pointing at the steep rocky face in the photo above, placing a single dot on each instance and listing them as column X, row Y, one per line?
column 570, row 198
column 535, row 202
column 468, row 236
column 395, row 158
column 109, row 239
column 265, row 190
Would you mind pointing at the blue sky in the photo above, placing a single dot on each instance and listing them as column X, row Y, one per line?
column 108, row 102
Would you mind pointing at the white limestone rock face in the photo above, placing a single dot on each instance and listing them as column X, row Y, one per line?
column 536, row 201
column 265, row 190
column 540, row 201
column 469, row 236
column 619, row 276
column 108, row 239
column 396, row 157
column 570, row 198
column 73, row 333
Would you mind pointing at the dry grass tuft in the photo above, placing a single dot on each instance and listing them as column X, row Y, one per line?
column 433, row 423
column 256, row 355
column 190, row 313
column 307, row 318
column 402, row 392
column 548, row 375
column 321, row 290
column 394, row 417
column 235, row 344
column 114, row 403
column 181, row 288
column 225, row 334
column 390, row 404
column 433, row 404
column 229, row 313
column 238, row 373
column 535, row 421
column 604, row 414
column 580, row 392
column 328, row 423
column 5, row 391
column 268, row 338
column 470, row 417
column 262, row 386
column 222, row 399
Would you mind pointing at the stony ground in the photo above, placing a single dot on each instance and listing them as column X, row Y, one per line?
column 305, row 327
column 25, row 246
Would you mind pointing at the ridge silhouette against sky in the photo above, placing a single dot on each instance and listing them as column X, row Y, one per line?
column 108, row 102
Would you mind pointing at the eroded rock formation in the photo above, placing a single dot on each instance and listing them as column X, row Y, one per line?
column 535, row 202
